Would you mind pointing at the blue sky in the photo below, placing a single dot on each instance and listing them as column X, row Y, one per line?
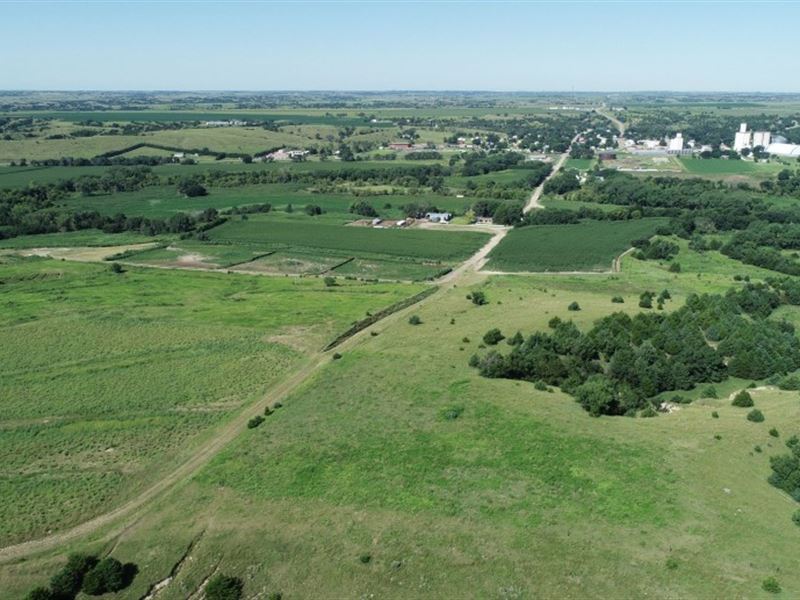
column 598, row 46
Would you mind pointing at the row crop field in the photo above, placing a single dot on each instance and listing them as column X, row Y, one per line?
column 720, row 166
column 171, row 116
column 414, row 244
column 586, row 246
column 108, row 380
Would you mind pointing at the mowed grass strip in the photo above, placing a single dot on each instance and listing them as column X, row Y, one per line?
column 412, row 243
column 586, row 246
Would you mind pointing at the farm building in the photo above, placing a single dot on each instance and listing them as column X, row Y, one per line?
column 401, row 146
column 607, row 155
column 439, row 217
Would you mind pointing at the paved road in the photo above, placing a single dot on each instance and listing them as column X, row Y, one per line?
column 533, row 201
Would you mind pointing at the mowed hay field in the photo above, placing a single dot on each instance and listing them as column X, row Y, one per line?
column 586, row 246
column 452, row 485
column 108, row 381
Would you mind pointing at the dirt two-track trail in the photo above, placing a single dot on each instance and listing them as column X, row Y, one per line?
column 124, row 515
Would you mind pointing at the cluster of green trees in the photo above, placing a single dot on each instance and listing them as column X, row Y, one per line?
column 87, row 574
column 786, row 469
column 623, row 362
column 38, row 209
column 655, row 250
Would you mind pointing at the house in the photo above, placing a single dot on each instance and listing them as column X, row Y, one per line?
column 484, row 220
column 439, row 217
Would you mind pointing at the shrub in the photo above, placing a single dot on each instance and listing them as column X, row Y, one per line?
column 574, row 306
column 330, row 281
column 540, row 385
column 715, row 415
column 618, row 300
column 757, row 448
column 796, row 518
column 790, row 382
column 755, row 415
column 255, row 422
column 107, row 576
column 771, row 585
column 275, row 596
column 743, row 399
column 414, row 320
column 646, row 300
column 478, row 298
column 515, row 340
column 648, row 412
column 678, row 399
column 774, row 432
column 336, row 356
column 465, row 340
column 67, row 582
column 224, row 587
column 493, row 337
column 40, row 593
column 452, row 413
column 710, row 392
column 117, row 268
column 365, row 558
column 672, row 563
column 675, row 267
column 474, row 360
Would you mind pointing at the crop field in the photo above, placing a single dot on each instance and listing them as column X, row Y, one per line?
column 411, row 243
column 586, row 246
column 109, row 379
column 300, row 117
column 294, row 263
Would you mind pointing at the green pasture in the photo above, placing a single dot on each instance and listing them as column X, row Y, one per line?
column 107, row 381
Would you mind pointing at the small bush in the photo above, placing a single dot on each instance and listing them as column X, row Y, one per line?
column 40, row 593
column 117, row 268
column 465, row 340
column 574, row 306
column 330, row 281
column 715, row 415
column 771, row 585
column 675, row 267
column 452, row 413
column 540, row 385
column 224, row 587
column 756, row 416
column 493, row 337
column 678, row 399
column 336, row 356
column 717, row 436
column 255, row 422
column 474, row 360
column 649, row 412
column 743, row 399
column 618, row 300
column 478, row 298
column 646, row 300
column 796, row 518
column 365, row 558
column 710, row 392
column 672, row 563
column 107, row 576
column 757, row 448
column 414, row 320
column 515, row 340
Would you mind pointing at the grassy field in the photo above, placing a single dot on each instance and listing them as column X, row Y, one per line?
column 108, row 380
column 719, row 166
column 586, row 246
column 85, row 237
column 521, row 494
